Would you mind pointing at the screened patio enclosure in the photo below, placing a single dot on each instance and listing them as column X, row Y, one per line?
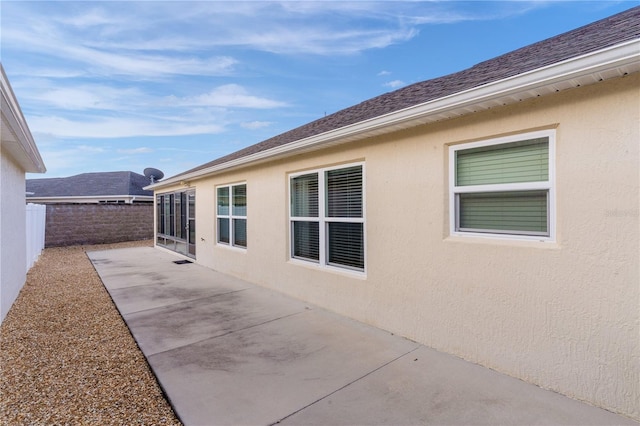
column 176, row 221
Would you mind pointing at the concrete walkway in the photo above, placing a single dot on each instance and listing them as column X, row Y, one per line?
column 227, row 352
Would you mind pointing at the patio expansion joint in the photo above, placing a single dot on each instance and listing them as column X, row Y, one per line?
column 346, row 386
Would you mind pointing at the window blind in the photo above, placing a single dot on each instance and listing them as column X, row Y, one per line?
column 240, row 232
column 346, row 244
column 523, row 161
column 223, row 230
column 223, row 200
column 520, row 212
column 332, row 218
column 304, row 195
column 306, row 240
column 344, row 192
column 240, row 200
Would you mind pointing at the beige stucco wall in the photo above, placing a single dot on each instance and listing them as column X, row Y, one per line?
column 13, row 245
column 563, row 315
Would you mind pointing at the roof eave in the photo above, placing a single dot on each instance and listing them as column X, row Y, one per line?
column 90, row 199
column 20, row 145
column 615, row 61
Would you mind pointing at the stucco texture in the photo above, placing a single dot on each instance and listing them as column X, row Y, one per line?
column 564, row 315
column 13, row 249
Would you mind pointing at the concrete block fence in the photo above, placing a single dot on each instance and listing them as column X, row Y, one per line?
column 72, row 224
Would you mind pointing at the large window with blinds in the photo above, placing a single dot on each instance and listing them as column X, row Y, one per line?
column 327, row 217
column 232, row 215
column 504, row 186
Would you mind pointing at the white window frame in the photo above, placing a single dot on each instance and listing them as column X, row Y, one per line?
column 549, row 185
column 230, row 217
column 323, row 220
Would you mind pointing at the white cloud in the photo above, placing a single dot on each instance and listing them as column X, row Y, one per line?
column 228, row 95
column 321, row 39
column 193, row 151
column 86, row 19
column 101, row 70
column 113, row 127
column 141, row 150
column 118, row 37
column 83, row 97
column 256, row 124
column 395, row 84
column 90, row 149
column 61, row 157
column 140, row 64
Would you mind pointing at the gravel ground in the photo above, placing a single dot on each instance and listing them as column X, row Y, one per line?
column 66, row 355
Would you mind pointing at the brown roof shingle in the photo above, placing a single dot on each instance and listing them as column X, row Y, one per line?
column 601, row 34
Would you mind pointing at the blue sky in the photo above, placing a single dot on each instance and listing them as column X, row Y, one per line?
column 109, row 86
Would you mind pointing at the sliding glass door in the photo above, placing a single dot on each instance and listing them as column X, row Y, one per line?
column 191, row 223
column 176, row 221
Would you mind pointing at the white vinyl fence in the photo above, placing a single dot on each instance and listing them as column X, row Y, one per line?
column 36, row 217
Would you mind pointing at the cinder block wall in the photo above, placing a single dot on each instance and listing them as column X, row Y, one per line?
column 71, row 224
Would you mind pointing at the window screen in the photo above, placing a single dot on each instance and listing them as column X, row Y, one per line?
column 503, row 188
column 526, row 161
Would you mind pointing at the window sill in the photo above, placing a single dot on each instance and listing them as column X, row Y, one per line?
column 503, row 240
column 331, row 269
column 232, row 248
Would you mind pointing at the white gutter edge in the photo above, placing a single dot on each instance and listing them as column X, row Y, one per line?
column 619, row 55
column 76, row 198
column 22, row 131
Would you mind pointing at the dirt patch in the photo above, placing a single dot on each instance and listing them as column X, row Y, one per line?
column 66, row 355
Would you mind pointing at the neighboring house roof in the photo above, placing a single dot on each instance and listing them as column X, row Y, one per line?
column 90, row 187
column 15, row 134
column 605, row 49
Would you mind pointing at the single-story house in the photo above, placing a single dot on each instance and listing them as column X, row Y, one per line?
column 123, row 187
column 20, row 155
column 491, row 213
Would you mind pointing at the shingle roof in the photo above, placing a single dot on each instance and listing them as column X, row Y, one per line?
column 601, row 34
column 90, row 184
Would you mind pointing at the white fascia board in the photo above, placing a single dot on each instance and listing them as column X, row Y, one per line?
column 25, row 151
column 621, row 55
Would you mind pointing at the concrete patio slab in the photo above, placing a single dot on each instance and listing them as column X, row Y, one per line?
column 438, row 389
column 179, row 324
column 145, row 282
column 262, row 374
column 227, row 352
